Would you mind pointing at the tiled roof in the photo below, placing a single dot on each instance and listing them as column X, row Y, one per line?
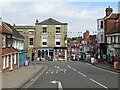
column 24, row 27
column 51, row 21
column 16, row 34
column 115, row 28
column 112, row 16
column 5, row 30
column 7, row 50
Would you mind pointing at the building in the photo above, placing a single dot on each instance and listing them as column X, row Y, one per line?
column 113, row 38
column 28, row 32
column 47, row 37
column 18, row 44
column 8, row 53
column 103, row 26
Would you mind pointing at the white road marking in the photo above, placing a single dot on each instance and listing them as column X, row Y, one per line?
column 105, row 70
column 64, row 70
column 58, row 83
column 58, row 67
column 82, row 74
column 73, row 69
column 56, row 71
column 46, row 72
column 98, row 83
column 49, row 70
column 69, row 66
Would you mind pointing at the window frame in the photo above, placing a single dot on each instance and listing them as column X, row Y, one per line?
column 58, row 31
column 31, row 41
column 44, row 30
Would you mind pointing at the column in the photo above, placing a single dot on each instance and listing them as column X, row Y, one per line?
column 48, row 53
column 11, row 63
column 7, row 61
column 66, row 55
column 3, row 62
column 14, row 58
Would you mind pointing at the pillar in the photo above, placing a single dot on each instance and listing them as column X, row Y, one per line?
column 11, row 63
column 14, row 58
column 48, row 53
column 7, row 61
column 65, row 54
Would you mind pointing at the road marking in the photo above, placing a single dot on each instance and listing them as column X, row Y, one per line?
column 49, row 70
column 64, row 70
column 69, row 66
column 73, row 69
column 105, row 70
column 56, row 71
column 46, row 72
column 58, row 83
column 82, row 74
column 98, row 83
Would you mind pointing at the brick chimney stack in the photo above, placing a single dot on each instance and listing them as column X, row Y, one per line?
column 108, row 10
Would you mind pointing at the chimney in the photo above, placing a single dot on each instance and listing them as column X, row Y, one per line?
column 108, row 10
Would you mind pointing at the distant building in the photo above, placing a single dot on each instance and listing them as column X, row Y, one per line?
column 103, row 26
column 48, row 37
column 113, row 37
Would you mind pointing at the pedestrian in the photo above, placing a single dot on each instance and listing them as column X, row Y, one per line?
column 116, row 64
column 104, row 57
column 99, row 57
column 79, row 57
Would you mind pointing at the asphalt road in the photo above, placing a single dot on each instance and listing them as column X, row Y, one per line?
column 74, row 74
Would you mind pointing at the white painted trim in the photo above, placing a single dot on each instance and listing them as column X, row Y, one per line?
column 44, row 25
column 7, row 61
column 57, row 25
column 3, row 62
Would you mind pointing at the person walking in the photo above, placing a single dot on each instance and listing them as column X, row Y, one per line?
column 116, row 64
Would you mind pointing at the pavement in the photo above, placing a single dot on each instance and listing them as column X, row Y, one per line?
column 107, row 66
column 17, row 78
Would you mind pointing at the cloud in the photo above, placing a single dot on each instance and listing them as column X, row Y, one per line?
column 79, row 17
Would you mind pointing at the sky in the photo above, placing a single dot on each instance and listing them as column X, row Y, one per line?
column 79, row 15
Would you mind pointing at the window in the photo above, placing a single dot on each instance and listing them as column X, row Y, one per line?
column 118, row 39
column 98, row 24
column 9, row 41
column 44, row 29
column 57, row 29
column 111, row 40
column 44, row 43
column 57, row 43
column 101, row 26
column 3, row 41
column 31, row 41
column 101, row 38
column 114, row 39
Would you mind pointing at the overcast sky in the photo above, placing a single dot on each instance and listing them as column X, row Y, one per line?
column 80, row 16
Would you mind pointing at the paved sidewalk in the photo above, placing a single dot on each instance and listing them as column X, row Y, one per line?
column 17, row 78
column 107, row 66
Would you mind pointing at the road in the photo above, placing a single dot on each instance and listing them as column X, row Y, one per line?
column 74, row 74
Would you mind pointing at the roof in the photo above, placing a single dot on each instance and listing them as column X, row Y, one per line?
column 51, row 21
column 112, row 16
column 16, row 34
column 5, row 30
column 24, row 27
column 7, row 50
column 115, row 28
